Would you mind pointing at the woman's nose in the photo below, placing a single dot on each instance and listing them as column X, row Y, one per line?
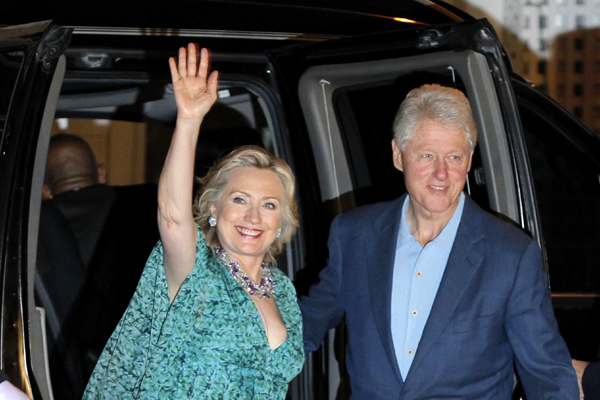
column 253, row 215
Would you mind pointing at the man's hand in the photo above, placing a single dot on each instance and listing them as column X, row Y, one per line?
column 580, row 367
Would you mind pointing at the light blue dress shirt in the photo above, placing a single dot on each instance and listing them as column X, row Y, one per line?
column 417, row 275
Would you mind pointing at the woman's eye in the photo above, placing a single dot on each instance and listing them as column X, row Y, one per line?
column 238, row 200
column 270, row 205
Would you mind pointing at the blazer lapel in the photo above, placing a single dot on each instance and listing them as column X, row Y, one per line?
column 464, row 260
column 381, row 250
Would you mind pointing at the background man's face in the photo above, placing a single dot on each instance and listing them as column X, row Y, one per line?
column 435, row 165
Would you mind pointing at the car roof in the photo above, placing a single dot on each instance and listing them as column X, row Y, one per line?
column 301, row 17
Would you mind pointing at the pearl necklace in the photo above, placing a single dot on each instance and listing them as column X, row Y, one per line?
column 264, row 290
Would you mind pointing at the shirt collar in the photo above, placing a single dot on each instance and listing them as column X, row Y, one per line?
column 446, row 237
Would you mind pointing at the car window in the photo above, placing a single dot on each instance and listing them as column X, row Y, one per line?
column 10, row 67
column 567, row 184
column 565, row 166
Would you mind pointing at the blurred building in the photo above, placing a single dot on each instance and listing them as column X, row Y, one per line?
column 553, row 44
column 573, row 77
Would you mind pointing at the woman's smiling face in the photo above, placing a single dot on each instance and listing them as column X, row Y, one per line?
column 248, row 214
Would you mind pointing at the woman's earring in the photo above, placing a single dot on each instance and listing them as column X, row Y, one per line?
column 279, row 232
column 212, row 221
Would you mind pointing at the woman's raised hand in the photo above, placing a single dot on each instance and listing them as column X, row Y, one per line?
column 194, row 94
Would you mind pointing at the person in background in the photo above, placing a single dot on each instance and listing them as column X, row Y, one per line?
column 93, row 244
column 212, row 316
column 440, row 298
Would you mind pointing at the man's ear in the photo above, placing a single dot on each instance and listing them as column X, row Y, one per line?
column 397, row 156
column 470, row 161
column 101, row 173
column 46, row 192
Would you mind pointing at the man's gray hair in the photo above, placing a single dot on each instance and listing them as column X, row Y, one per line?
column 444, row 105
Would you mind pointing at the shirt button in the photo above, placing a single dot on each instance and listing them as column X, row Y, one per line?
column 410, row 352
column 414, row 313
column 419, row 274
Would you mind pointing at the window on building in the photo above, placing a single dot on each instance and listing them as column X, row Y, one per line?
column 580, row 21
column 579, row 43
column 578, row 67
column 542, row 67
column 561, row 90
column 581, row 2
column 562, row 65
column 526, row 21
column 596, row 89
column 543, row 44
column 578, row 112
column 559, row 20
column 578, row 89
column 543, row 21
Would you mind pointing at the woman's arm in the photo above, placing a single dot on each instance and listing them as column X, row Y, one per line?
column 194, row 95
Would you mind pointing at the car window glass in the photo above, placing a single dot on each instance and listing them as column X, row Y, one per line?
column 567, row 184
column 10, row 66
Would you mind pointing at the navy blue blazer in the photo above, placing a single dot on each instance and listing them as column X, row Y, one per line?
column 492, row 310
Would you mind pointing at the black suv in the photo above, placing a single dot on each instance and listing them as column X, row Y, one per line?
column 318, row 83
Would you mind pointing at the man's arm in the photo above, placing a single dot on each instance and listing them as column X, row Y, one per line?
column 542, row 358
column 321, row 309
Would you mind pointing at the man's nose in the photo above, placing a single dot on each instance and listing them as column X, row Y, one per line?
column 440, row 169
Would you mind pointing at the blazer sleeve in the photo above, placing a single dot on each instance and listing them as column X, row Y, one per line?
column 321, row 309
column 542, row 358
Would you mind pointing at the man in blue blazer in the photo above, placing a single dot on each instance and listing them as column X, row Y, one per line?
column 441, row 300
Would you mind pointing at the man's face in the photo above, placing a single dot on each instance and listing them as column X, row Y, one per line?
column 435, row 165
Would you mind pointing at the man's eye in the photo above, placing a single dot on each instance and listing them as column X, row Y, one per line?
column 426, row 155
column 455, row 157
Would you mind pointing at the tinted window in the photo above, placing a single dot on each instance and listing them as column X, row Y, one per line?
column 566, row 177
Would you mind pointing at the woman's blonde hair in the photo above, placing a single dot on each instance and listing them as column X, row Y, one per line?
column 217, row 178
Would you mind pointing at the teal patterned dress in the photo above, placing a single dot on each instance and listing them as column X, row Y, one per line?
column 210, row 343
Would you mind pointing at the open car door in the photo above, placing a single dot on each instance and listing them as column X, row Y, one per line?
column 31, row 69
column 341, row 98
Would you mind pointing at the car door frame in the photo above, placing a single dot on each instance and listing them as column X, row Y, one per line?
column 21, row 178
